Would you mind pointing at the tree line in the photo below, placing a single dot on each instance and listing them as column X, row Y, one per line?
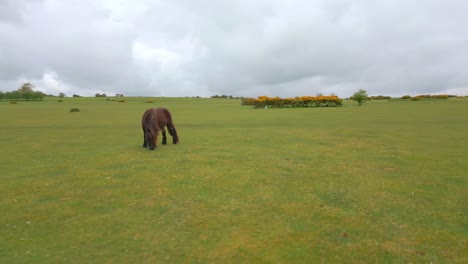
column 26, row 92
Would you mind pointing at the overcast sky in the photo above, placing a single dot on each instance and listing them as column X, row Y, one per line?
column 249, row 48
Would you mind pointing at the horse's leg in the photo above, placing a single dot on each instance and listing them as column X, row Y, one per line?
column 164, row 140
column 173, row 133
column 144, row 140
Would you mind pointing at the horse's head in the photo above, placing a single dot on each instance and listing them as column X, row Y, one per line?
column 150, row 138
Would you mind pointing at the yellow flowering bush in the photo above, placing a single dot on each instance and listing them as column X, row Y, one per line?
column 299, row 101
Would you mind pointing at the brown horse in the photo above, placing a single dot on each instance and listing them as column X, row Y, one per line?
column 154, row 120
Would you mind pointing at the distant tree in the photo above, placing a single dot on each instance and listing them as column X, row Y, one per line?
column 75, row 95
column 61, row 95
column 26, row 91
column 26, row 88
column 1, row 95
column 360, row 97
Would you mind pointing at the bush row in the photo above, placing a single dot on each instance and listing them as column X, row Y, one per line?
column 415, row 98
column 380, row 97
column 438, row 96
column 300, row 101
column 17, row 95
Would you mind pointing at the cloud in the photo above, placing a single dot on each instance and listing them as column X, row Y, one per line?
column 242, row 48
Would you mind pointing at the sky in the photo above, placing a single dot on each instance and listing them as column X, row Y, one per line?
column 249, row 48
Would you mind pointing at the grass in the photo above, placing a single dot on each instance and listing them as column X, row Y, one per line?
column 382, row 183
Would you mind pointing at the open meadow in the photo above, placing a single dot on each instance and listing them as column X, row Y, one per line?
column 386, row 182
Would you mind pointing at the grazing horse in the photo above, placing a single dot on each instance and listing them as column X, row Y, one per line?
column 154, row 120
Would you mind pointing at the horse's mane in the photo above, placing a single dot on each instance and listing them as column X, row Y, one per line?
column 150, row 123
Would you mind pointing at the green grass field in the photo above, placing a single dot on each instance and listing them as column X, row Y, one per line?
column 386, row 182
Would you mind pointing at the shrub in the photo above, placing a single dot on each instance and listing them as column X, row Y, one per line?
column 441, row 96
column 121, row 101
column 74, row 109
column 360, row 97
column 406, row 97
column 59, row 101
column 149, row 102
column 12, row 102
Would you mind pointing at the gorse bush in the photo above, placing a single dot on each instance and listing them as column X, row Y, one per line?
column 74, row 109
column 300, row 101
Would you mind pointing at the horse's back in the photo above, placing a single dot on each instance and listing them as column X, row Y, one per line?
column 164, row 114
column 162, row 111
column 160, row 116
